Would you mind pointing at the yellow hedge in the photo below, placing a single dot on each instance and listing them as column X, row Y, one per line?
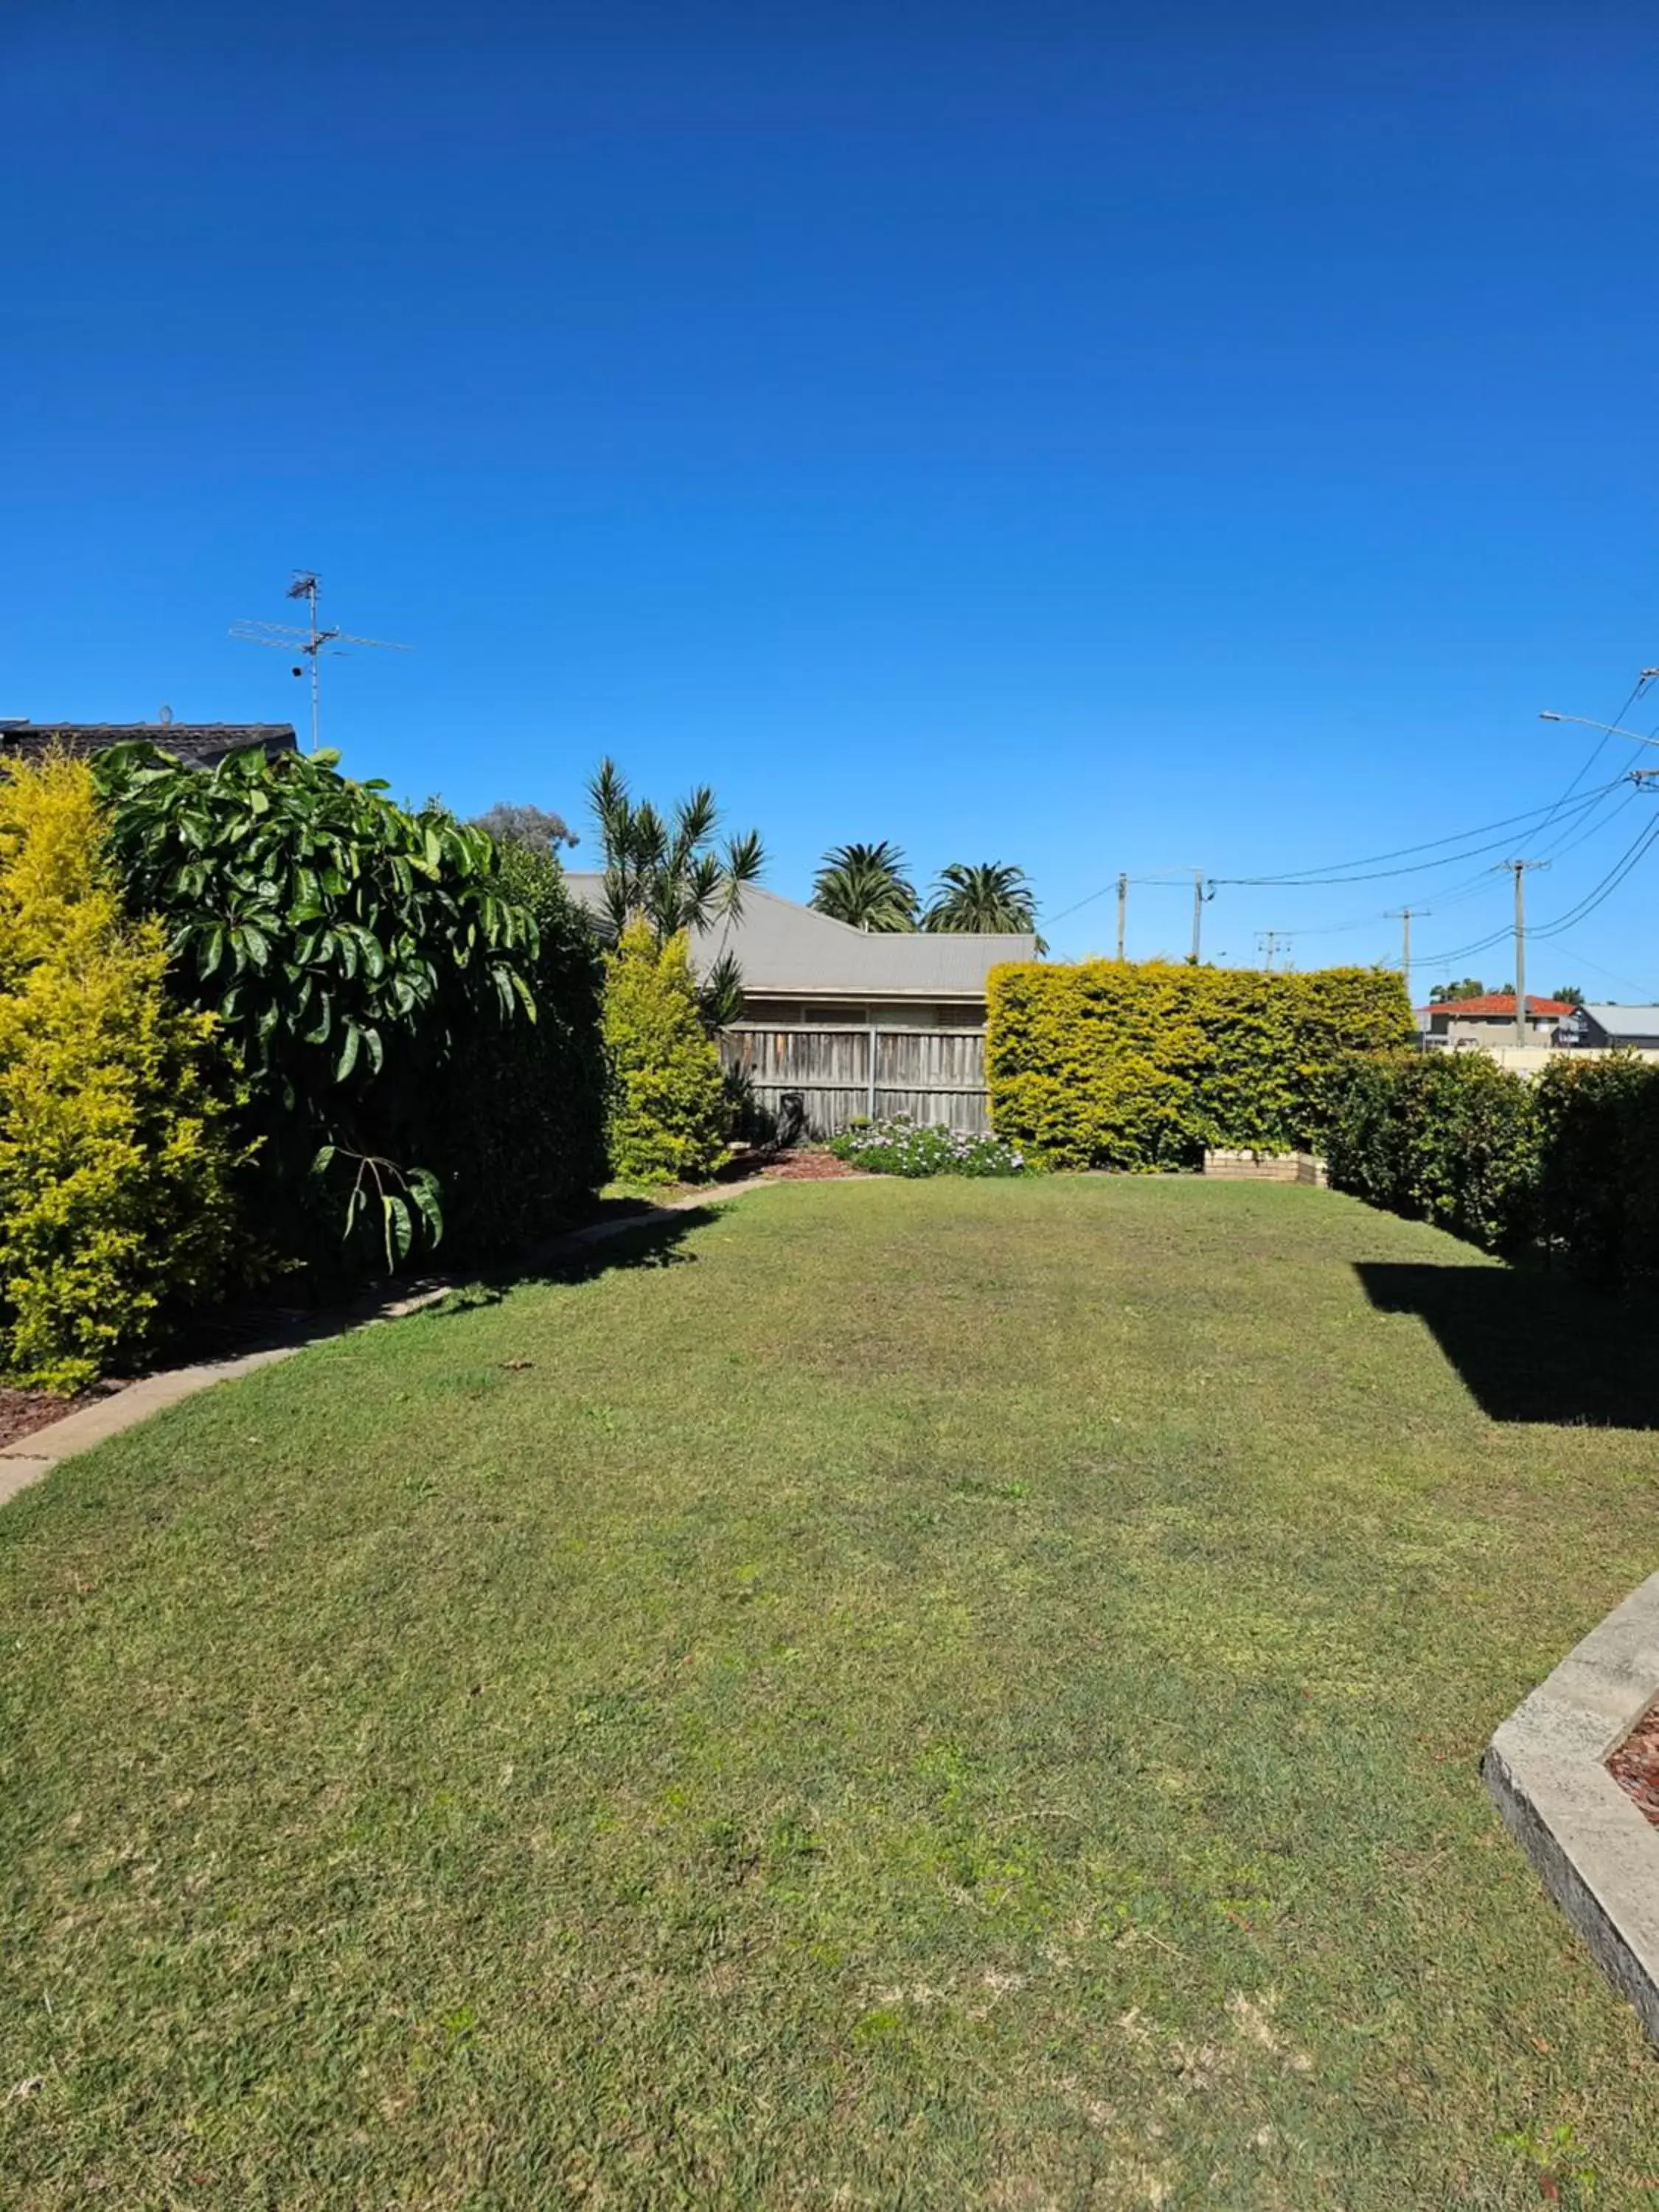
column 668, row 1113
column 115, row 1167
column 1122, row 1065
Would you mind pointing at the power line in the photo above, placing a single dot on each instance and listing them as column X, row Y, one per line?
column 1337, row 871
column 1605, row 890
column 1586, row 905
column 1637, row 691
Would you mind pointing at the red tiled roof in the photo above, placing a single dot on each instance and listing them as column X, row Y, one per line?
column 1499, row 1002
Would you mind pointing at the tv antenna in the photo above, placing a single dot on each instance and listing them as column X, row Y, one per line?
column 311, row 642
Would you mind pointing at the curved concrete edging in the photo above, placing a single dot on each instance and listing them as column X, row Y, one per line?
column 1598, row 1855
column 32, row 1457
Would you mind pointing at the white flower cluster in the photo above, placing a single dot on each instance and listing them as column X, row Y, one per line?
column 898, row 1145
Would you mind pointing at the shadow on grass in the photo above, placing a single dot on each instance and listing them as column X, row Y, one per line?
column 650, row 1237
column 1531, row 1347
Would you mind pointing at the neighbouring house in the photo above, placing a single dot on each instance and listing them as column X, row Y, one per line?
column 1479, row 1024
column 1611, row 1028
column 839, row 1022
column 200, row 744
column 799, row 968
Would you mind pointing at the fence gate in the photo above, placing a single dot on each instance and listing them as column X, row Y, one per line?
column 933, row 1075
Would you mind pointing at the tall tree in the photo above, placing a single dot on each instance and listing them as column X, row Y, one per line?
column 989, row 898
column 1467, row 987
column 866, row 887
column 668, row 872
column 532, row 827
column 1569, row 995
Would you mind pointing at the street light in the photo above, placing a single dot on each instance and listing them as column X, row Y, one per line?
column 1611, row 729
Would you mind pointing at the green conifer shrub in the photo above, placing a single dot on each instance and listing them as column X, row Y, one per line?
column 668, row 1113
column 116, row 1161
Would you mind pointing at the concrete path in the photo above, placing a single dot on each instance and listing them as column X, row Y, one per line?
column 32, row 1457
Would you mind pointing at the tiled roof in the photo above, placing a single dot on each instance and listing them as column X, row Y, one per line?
column 796, row 952
column 201, row 743
column 1497, row 1002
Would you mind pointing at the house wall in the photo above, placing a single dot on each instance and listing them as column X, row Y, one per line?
column 1462, row 1031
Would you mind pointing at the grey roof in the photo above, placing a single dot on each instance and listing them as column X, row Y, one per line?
column 200, row 743
column 794, row 951
column 1626, row 1021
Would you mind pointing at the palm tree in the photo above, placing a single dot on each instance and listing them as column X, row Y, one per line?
column 668, row 874
column 866, row 886
column 991, row 899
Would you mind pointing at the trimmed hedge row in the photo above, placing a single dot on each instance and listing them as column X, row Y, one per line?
column 1450, row 1138
column 1567, row 1165
column 1113, row 1065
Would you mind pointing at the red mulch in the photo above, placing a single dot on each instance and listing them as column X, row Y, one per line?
column 23, row 1412
column 808, row 1167
column 1635, row 1766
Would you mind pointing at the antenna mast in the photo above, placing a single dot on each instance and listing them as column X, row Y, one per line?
column 311, row 642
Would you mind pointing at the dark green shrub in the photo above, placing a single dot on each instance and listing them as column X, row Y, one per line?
column 515, row 1119
column 1450, row 1138
column 1107, row 1064
column 1599, row 1169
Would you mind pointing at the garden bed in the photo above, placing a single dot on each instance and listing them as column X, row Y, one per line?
column 1635, row 1765
column 24, row 1412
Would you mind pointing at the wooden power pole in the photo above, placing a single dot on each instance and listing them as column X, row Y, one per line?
column 1519, row 868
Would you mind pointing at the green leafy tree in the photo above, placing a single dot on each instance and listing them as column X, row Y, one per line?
column 667, row 871
column 989, row 899
column 1469, row 987
column 866, row 887
column 668, row 1115
column 1568, row 994
column 117, row 1164
column 341, row 942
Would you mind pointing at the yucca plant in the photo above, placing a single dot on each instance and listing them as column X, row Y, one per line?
column 666, row 871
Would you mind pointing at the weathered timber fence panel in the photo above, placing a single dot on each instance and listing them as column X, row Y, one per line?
column 933, row 1075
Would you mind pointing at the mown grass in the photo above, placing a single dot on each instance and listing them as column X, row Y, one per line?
column 928, row 1695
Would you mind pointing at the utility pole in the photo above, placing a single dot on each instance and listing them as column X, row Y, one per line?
column 1519, row 868
column 1270, row 940
column 1122, row 911
column 1403, row 916
column 1198, row 911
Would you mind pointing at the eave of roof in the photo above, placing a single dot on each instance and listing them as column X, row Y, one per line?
column 184, row 738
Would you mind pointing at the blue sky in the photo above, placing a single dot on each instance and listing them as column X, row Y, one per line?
column 1095, row 438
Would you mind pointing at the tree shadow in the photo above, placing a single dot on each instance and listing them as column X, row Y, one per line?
column 1531, row 1347
column 651, row 1236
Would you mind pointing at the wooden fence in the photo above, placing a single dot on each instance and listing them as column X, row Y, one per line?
column 933, row 1075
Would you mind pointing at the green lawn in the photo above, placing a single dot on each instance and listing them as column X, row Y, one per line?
column 929, row 1695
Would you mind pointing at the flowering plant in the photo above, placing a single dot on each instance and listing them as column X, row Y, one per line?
column 897, row 1146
